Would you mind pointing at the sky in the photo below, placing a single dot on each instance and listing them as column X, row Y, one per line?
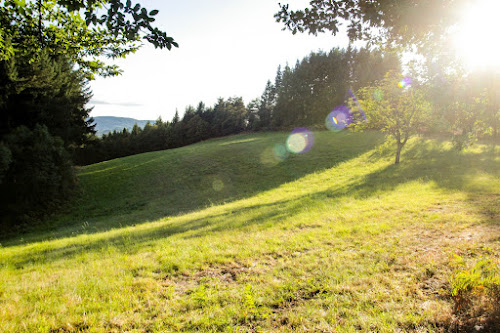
column 227, row 48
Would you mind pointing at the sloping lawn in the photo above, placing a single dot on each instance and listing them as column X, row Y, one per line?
column 226, row 236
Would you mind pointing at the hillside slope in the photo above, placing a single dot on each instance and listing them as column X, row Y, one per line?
column 225, row 236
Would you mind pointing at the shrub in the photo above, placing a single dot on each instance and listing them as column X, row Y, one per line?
column 38, row 178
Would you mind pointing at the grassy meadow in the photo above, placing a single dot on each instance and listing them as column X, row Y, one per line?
column 223, row 236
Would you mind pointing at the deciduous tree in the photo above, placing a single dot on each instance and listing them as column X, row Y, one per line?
column 396, row 106
column 85, row 31
column 387, row 22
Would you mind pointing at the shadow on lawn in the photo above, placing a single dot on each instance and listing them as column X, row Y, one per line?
column 162, row 194
column 447, row 168
column 427, row 162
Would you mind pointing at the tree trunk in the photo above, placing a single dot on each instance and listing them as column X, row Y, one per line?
column 398, row 152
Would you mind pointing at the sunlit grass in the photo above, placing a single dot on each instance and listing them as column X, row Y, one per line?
column 337, row 239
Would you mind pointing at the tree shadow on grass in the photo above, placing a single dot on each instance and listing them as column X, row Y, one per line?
column 476, row 173
column 425, row 162
column 130, row 241
column 446, row 167
column 144, row 188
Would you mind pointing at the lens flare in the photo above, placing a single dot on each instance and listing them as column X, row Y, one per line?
column 300, row 141
column 271, row 156
column 339, row 118
column 406, row 82
column 280, row 152
column 357, row 104
column 267, row 157
column 218, row 185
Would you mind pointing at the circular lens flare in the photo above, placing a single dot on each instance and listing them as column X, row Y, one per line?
column 271, row 156
column 218, row 185
column 406, row 82
column 280, row 152
column 339, row 118
column 300, row 141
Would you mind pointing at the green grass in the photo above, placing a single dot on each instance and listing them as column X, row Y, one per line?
column 221, row 236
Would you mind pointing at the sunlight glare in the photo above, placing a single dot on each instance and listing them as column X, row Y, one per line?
column 476, row 40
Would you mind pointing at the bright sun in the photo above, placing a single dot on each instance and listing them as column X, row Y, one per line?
column 477, row 40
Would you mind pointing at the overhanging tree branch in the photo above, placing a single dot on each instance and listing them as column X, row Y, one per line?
column 79, row 29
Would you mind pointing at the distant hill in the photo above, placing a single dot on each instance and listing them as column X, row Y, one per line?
column 107, row 124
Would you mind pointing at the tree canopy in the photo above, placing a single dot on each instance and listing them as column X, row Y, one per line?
column 306, row 93
column 43, row 118
column 392, row 22
column 394, row 105
column 49, row 49
column 84, row 31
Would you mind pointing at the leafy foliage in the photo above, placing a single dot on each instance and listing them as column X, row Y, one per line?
column 320, row 82
column 83, row 31
column 38, row 176
column 394, row 108
column 466, row 105
column 401, row 22
column 46, row 91
column 43, row 120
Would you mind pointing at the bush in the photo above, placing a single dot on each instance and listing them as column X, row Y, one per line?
column 38, row 175
column 5, row 160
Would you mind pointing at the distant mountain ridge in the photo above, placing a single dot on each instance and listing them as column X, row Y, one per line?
column 108, row 124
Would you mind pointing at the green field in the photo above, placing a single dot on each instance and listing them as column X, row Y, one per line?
column 222, row 236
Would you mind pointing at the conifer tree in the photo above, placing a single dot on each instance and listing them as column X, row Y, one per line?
column 266, row 105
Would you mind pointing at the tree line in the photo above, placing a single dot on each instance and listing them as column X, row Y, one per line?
column 302, row 95
column 226, row 117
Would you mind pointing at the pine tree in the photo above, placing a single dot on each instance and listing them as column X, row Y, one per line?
column 176, row 118
column 49, row 92
column 43, row 122
column 266, row 106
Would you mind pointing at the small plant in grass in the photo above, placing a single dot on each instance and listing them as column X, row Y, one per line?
column 490, row 271
column 249, row 302
column 463, row 284
column 469, row 284
column 252, row 312
column 493, row 287
column 200, row 295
